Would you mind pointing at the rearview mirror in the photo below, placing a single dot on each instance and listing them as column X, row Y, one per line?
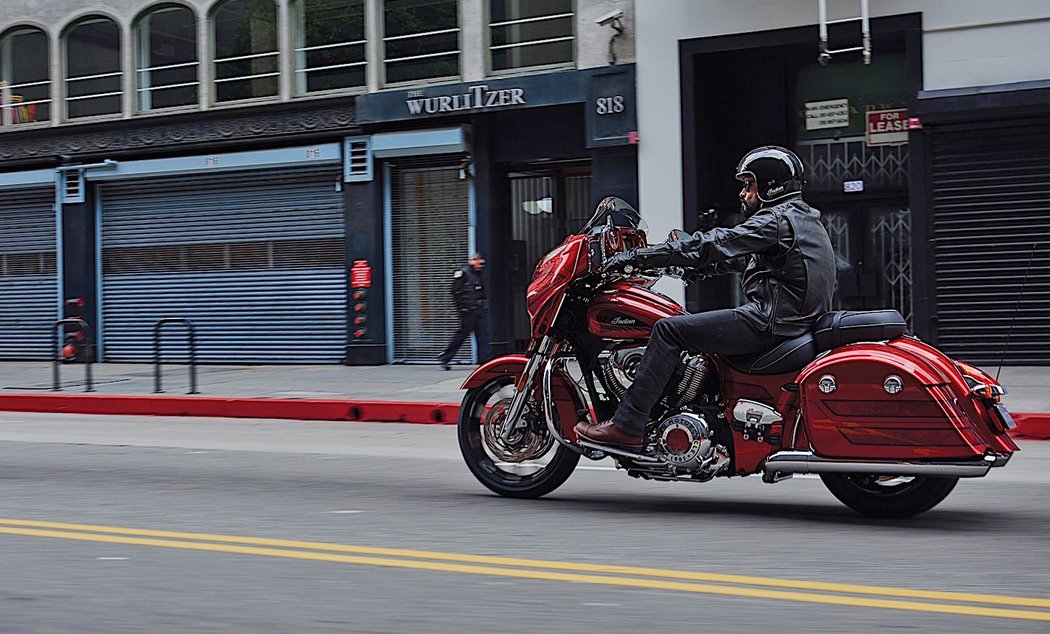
column 676, row 235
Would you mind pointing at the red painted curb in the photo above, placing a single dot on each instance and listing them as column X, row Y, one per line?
column 210, row 406
column 1029, row 426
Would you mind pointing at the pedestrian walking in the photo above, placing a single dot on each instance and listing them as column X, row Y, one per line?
column 468, row 294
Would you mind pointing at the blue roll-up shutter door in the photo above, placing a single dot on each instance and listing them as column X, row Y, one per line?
column 255, row 258
column 28, row 273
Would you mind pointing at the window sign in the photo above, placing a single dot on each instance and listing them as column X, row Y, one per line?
column 887, row 127
column 833, row 113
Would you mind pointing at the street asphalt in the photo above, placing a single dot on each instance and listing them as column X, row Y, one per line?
column 122, row 524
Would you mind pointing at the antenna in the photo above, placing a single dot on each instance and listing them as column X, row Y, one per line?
column 1017, row 308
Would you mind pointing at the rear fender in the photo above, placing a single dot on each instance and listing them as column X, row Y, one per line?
column 567, row 402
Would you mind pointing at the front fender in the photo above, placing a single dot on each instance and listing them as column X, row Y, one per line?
column 508, row 364
column 566, row 396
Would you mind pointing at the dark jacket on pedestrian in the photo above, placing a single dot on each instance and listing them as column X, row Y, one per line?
column 784, row 254
column 467, row 291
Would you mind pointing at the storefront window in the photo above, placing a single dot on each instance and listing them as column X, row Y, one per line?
column 166, row 73
column 420, row 39
column 245, row 44
column 330, row 45
column 93, row 77
column 531, row 33
column 24, row 79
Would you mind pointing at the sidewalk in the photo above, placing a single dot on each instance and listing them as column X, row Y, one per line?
column 397, row 393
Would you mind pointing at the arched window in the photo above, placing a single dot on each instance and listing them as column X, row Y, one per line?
column 420, row 40
column 93, row 77
column 25, row 80
column 245, row 45
column 329, row 45
column 166, row 58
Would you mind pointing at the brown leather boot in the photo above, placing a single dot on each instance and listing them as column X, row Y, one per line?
column 608, row 433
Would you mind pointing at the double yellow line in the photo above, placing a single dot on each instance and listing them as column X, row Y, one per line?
column 956, row 603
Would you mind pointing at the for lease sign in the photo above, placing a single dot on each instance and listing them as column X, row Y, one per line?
column 887, row 127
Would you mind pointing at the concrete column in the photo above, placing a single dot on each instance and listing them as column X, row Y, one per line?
column 473, row 25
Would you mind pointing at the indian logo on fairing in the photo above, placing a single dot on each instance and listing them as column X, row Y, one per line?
column 623, row 321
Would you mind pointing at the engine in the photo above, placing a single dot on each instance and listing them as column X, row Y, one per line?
column 693, row 380
column 684, row 442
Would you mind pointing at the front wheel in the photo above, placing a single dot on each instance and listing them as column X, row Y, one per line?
column 888, row 496
column 530, row 464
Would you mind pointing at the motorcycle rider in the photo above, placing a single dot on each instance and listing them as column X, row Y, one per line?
column 788, row 267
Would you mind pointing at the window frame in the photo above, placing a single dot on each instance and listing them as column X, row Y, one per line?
column 213, row 81
column 139, row 27
column 382, row 39
column 64, row 67
column 10, row 32
column 525, row 70
column 297, row 14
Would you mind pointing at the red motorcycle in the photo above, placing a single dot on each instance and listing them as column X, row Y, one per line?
column 888, row 422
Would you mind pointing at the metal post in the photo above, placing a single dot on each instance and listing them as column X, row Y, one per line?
column 191, row 335
column 89, row 345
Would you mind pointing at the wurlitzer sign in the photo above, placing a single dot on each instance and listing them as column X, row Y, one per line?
column 475, row 98
column 887, row 127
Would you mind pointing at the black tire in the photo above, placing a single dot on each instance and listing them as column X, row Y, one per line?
column 481, row 464
column 881, row 496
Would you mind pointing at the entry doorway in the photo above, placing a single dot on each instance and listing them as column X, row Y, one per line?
column 546, row 206
column 872, row 242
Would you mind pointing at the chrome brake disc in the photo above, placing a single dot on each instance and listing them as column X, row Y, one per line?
column 523, row 444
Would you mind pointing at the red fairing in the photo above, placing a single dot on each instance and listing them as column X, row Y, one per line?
column 550, row 280
column 625, row 311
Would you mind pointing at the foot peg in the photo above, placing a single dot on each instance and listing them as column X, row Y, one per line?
column 619, row 451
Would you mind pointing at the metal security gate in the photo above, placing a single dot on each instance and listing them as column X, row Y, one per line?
column 255, row 258
column 430, row 240
column 28, row 273
column 991, row 205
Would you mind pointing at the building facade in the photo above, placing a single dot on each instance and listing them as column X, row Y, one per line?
column 300, row 178
column 927, row 162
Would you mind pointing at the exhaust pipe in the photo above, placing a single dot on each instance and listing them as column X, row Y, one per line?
column 791, row 462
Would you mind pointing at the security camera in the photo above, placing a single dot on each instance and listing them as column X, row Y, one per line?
column 609, row 17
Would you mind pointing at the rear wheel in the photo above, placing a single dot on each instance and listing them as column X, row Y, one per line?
column 531, row 464
column 888, row 496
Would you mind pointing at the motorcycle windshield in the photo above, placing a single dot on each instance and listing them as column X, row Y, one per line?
column 615, row 212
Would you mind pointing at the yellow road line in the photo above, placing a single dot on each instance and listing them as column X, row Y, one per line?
column 651, row 584
column 823, row 586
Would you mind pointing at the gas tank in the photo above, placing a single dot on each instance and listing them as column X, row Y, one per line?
column 625, row 311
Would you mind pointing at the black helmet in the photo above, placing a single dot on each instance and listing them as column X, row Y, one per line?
column 776, row 170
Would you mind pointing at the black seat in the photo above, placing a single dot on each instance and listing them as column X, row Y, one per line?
column 831, row 330
column 842, row 327
column 786, row 356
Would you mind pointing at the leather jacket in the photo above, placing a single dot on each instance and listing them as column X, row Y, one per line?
column 784, row 254
column 467, row 291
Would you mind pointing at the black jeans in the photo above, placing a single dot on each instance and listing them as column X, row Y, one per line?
column 718, row 331
column 472, row 321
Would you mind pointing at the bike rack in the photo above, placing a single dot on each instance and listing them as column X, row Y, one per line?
column 191, row 334
column 89, row 345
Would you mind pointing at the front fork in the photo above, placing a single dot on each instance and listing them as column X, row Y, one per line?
column 544, row 360
column 525, row 386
